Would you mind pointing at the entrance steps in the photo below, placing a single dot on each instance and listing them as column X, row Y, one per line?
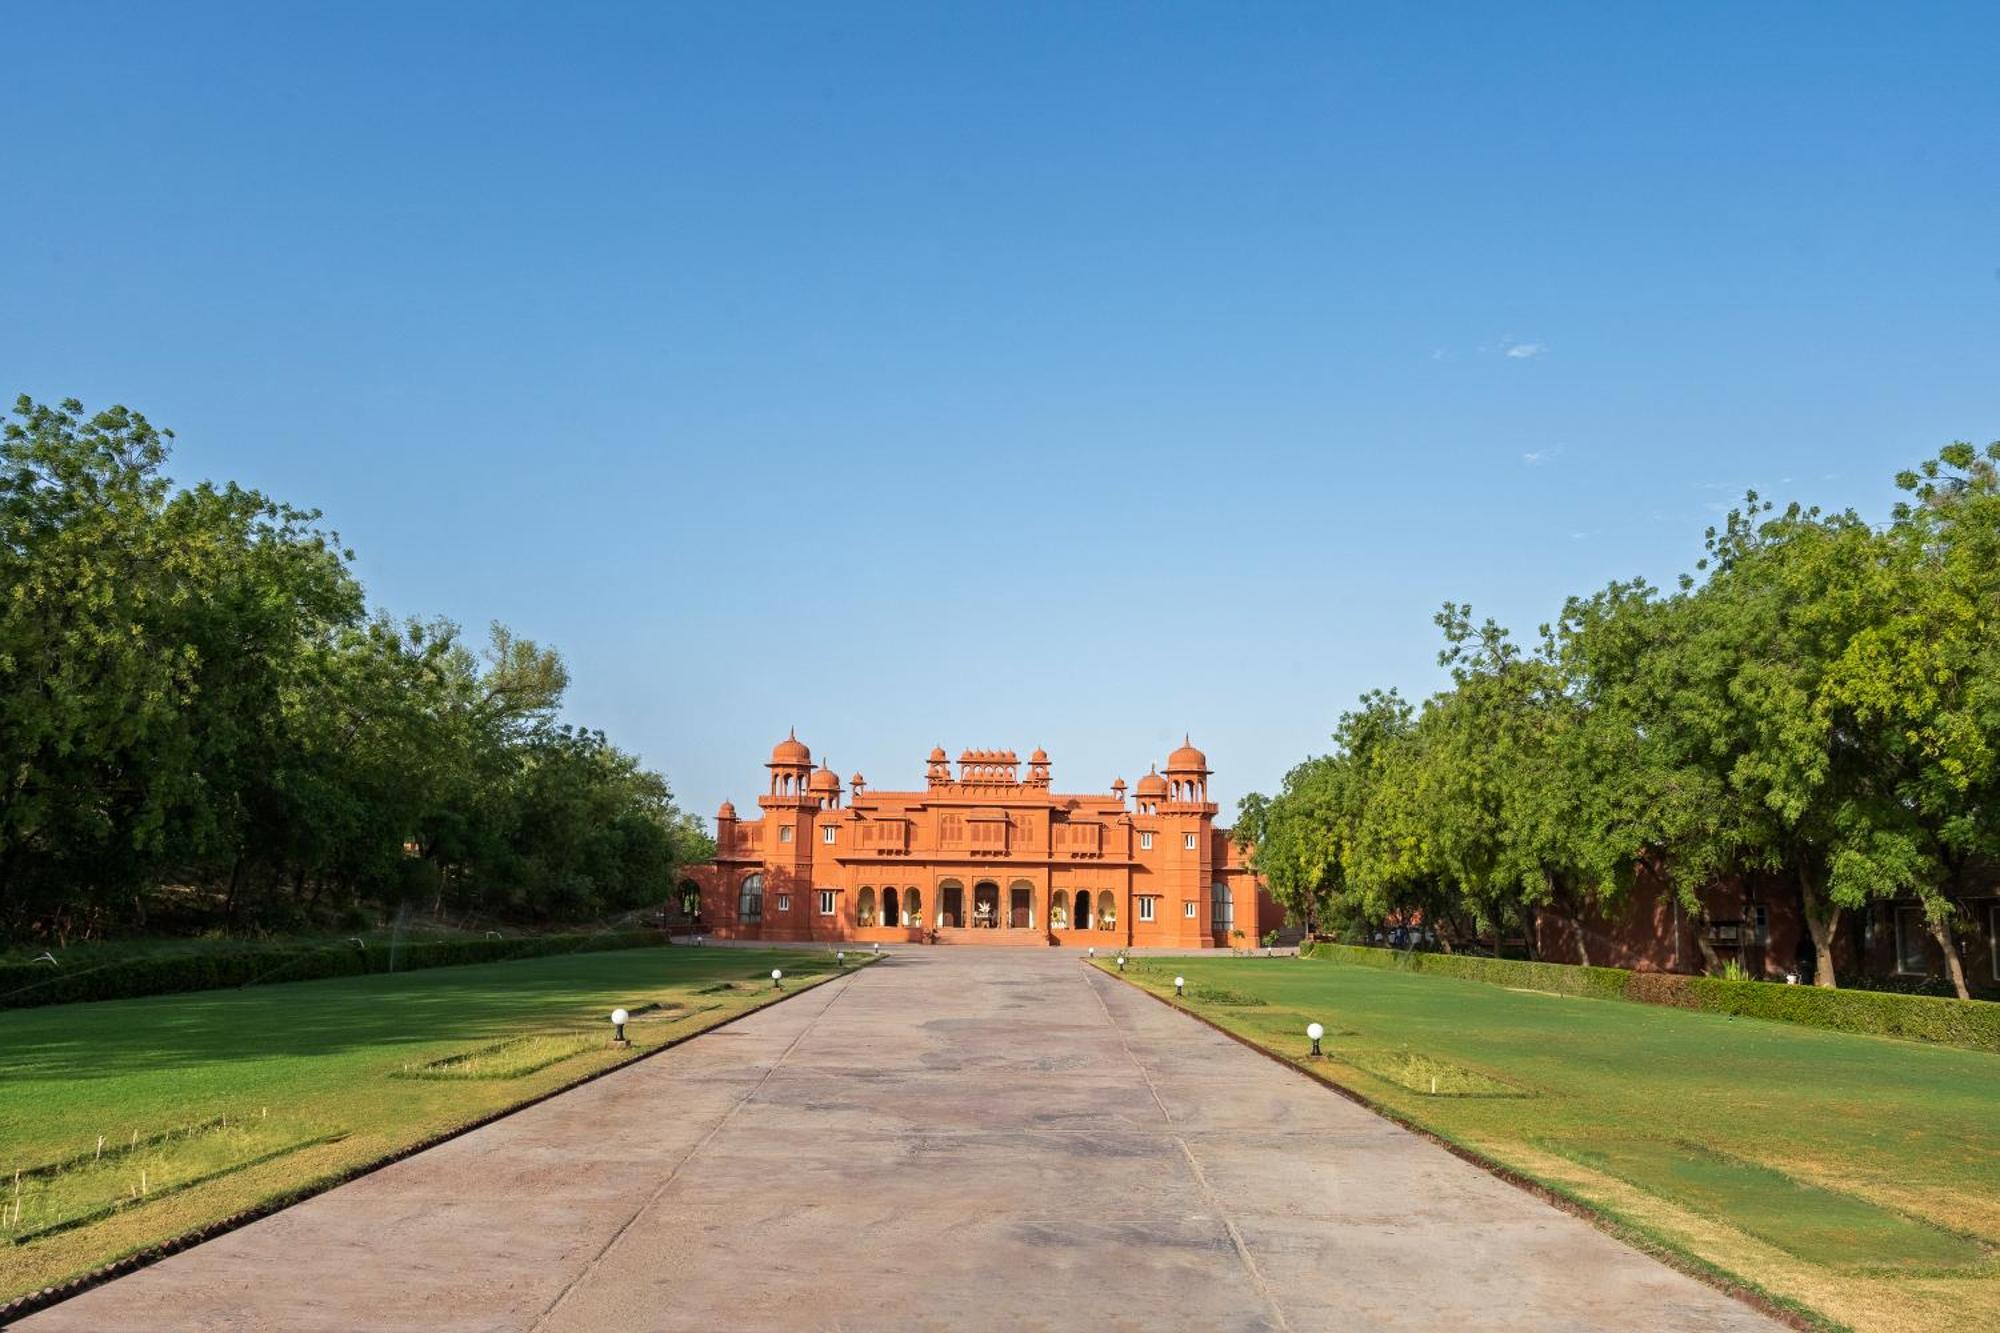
column 999, row 938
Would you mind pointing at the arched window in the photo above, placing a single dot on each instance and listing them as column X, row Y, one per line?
column 1107, row 911
column 913, row 907
column 1083, row 909
column 1221, row 911
column 890, row 914
column 750, row 904
column 1058, row 914
column 864, row 907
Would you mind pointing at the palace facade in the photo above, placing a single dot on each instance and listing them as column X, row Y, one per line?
column 981, row 855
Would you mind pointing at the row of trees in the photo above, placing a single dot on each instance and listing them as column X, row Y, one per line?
column 1818, row 706
column 199, row 716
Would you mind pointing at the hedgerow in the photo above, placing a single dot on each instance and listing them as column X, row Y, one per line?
column 24, row 985
column 1974, row 1024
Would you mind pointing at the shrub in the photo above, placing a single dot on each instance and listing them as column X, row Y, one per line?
column 1974, row 1024
column 25, row 985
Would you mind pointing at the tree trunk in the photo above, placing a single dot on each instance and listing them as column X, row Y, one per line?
column 1822, row 923
column 1954, row 966
column 1711, row 965
column 235, row 883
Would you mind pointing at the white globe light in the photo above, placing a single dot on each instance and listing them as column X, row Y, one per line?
column 1315, row 1031
column 775, row 974
column 1180, row 981
column 619, row 1015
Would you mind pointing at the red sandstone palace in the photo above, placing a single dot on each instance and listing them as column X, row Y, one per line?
column 982, row 856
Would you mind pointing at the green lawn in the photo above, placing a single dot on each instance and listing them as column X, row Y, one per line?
column 130, row 1121
column 1858, row 1177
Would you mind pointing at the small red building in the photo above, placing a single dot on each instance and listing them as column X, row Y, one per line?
column 981, row 855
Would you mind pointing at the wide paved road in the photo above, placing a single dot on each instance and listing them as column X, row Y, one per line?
column 954, row 1138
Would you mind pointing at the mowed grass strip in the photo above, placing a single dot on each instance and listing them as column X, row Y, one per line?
column 1857, row 1178
column 133, row 1121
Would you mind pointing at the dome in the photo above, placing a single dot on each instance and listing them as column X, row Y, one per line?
column 823, row 779
column 1152, row 784
column 1187, row 759
column 937, row 754
column 728, row 811
column 791, row 750
column 1040, row 756
column 856, row 782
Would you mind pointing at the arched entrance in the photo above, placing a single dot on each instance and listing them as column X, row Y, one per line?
column 951, row 904
column 1020, row 905
column 986, row 904
column 1083, row 909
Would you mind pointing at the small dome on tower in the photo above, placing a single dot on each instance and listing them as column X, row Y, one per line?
column 1152, row 784
column 824, row 779
column 937, row 754
column 856, row 782
column 728, row 811
column 791, row 750
column 1187, row 759
column 1040, row 756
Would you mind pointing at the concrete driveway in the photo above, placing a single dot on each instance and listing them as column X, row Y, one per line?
column 954, row 1138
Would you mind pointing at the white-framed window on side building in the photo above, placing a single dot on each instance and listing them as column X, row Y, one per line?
column 784, row 833
column 1146, row 908
column 784, row 902
column 1187, row 841
column 827, row 902
column 826, row 834
column 1910, row 932
column 1145, row 842
column 1188, row 908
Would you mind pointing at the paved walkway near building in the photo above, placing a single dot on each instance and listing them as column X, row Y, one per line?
column 953, row 1138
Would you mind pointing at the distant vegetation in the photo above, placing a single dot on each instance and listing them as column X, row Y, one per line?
column 203, row 724
column 1821, row 705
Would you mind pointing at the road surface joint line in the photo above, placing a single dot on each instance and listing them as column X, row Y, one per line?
column 542, row 1320
column 1208, row 1193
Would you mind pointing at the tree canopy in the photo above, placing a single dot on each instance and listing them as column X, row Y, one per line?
column 1817, row 703
column 200, row 717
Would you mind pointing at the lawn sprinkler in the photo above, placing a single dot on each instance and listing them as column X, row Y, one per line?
column 1315, row 1031
column 1179, row 988
column 777, row 979
column 618, row 1020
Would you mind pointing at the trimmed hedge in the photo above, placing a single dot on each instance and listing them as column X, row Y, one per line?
column 1973, row 1024
column 25, row 985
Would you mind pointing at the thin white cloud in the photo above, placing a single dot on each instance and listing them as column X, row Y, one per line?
column 1537, row 457
column 1522, row 351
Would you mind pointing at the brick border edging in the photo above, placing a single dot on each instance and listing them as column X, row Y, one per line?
column 37, row 1301
column 1687, row 1265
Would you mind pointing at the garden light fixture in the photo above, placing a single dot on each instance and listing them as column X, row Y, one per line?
column 1179, row 982
column 777, row 978
column 840, row 957
column 1315, row 1031
column 618, row 1021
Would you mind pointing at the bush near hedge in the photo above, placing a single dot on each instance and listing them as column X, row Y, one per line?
column 1973, row 1024
column 25, row 985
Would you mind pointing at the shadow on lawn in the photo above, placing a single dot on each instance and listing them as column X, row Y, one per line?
column 315, row 1018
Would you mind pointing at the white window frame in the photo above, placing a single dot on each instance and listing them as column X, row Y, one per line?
column 784, row 833
column 826, row 834
column 1914, row 916
column 784, row 902
column 1145, row 842
column 1187, row 841
column 1146, row 902
column 1188, row 908
column 829, row 902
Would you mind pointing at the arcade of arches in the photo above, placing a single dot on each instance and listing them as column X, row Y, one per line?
column 983, row 853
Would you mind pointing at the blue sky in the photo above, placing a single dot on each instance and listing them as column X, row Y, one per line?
column 1071, row 375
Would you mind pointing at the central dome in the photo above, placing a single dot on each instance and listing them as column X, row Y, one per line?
column 791, row 750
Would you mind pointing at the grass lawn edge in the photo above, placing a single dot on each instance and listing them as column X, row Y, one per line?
column 35, row 1301
column 1608, row 1220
